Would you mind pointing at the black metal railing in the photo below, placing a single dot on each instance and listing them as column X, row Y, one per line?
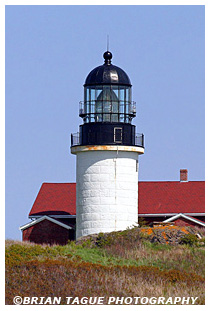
column 118, row 108
column 75, row 139
column 139, row 140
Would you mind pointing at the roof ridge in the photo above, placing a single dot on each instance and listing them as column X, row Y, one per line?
column 140, row 181
column 58, row 183
column 168, row 181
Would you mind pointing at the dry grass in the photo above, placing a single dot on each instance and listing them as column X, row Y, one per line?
column 121, row 266
column 177, row 257
column 66, row 278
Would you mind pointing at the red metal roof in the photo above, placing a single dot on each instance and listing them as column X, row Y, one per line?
column 154, row 197
column 161, row 197
column 55, row 198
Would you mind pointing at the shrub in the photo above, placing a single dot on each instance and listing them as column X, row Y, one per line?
column 103, row 240
column 189, row 239
column 202, row 242
column 141, row 222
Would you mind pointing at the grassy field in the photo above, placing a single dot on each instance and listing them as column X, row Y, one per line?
column 118, row 265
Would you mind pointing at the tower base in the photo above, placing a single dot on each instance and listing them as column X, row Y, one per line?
column 106, row 188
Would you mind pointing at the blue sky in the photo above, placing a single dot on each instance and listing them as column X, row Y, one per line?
column 49, row 52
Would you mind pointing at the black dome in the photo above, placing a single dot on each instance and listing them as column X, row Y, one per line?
column 107, row 74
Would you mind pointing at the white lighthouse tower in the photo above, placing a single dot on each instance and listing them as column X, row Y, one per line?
column 107, row 149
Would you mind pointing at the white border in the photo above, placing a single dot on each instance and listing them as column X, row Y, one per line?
column 2, row 64
column 186, row 217
column 34, row 222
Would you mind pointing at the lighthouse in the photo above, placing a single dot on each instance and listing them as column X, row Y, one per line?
column 107, row 150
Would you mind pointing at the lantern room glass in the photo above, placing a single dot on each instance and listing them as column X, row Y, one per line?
column 107, row 103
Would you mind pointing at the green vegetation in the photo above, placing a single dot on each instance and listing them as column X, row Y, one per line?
column 189, row 239
column 117, row 264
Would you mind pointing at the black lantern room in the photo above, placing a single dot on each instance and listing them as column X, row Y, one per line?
column 107, row 110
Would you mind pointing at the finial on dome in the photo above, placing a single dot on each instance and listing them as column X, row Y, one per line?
column 107, row 56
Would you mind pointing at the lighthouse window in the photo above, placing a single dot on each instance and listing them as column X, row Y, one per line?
column 121, row 118
column 117, row 134
column 92, row 118
column 106, row 117
column 127, row 109
column 99, row 107
column 122, row 95
column 115, row 106
column 114, row 118
column 97, row 92
column 107, row 103
column 106, row 106
column 92, row 107
column 121, row 107
column 127, row 95
column 116, row 91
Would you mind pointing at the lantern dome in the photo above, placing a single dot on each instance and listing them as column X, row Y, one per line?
column 107, row 74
